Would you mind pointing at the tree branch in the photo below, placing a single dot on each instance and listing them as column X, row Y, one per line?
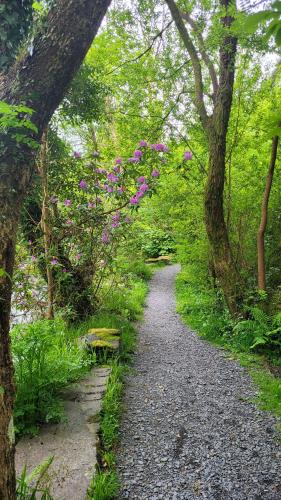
column 197, row 70
column 202, row 49
column 134, row 59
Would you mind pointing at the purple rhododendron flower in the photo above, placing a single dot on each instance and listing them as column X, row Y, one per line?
column 54, row 199
column 116, row 169
column 143, row 144
column 105, row 237
column 160, row 147
column 118, row 161
column 115, row 224
column 78, row 256
column 69, row 222
column 155, row 173
column 109, row 189
column 33, row 258
column 115, row 217
column 134, row 200
column 141, row 179
column 91, row 204
column 112, row 177
column 133, row 160
column 101, row 171
column 67, row 203
column 83, row 185
column 187, row 155
column 138, row 153
column 144, row 187
column 54, row 261
column 76, row 154
column 64, row 270
column 121, row 189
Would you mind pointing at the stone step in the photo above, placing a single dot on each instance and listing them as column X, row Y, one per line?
column 73, row 443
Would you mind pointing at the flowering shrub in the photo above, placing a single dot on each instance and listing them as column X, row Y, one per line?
column 90, row 213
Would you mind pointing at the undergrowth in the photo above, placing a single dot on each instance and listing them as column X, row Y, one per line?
column 255, row 341
column 46, row 359
column 105, row 484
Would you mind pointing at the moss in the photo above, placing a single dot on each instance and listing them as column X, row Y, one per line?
column 102, row 343
column 104, row 331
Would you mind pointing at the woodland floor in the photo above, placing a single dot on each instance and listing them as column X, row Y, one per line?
column 190, row 429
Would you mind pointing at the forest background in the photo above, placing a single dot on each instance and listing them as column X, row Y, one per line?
column 165, row 143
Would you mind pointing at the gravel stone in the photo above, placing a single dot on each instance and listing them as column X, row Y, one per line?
column 190, row 422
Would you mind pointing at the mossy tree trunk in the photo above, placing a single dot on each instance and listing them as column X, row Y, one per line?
column 39, row 79
column 215, row 126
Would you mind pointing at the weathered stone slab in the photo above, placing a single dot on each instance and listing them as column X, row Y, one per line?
column 73, row 443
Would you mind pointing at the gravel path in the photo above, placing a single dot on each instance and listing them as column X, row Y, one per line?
column 189, row 431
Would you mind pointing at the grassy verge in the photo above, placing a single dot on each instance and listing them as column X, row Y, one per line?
column 127, row 308
column 250, row 341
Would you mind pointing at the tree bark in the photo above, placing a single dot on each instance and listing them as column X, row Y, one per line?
column 215, row 127
column 38, row 79
column 224, row 266
column 264, row 214
column 46, row 228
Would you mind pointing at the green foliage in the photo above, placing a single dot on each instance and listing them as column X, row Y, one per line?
column 156, row 242
column 46, row 359
column 18, row 119
column 111, row 408
column 126, row 301
column 29, row 486
column 105, row 486
column 85, row 99
column 137, row 268
column 204, row 310
column 270, row 16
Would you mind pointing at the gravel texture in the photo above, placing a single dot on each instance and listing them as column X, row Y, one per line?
column 189, row 428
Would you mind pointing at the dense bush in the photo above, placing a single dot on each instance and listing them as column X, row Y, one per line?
column 156, row 242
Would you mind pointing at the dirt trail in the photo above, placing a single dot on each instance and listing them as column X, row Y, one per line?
column 189, row 429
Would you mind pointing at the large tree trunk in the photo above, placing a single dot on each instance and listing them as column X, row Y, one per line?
column 264, row 212
column 224, row 267
column 215, row 127
column 39, row 79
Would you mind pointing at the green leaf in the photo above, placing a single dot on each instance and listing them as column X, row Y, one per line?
column 37, row 6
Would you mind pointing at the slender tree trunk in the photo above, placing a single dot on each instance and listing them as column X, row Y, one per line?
column 45, row 224
column 39, row 79
column 264, row 214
